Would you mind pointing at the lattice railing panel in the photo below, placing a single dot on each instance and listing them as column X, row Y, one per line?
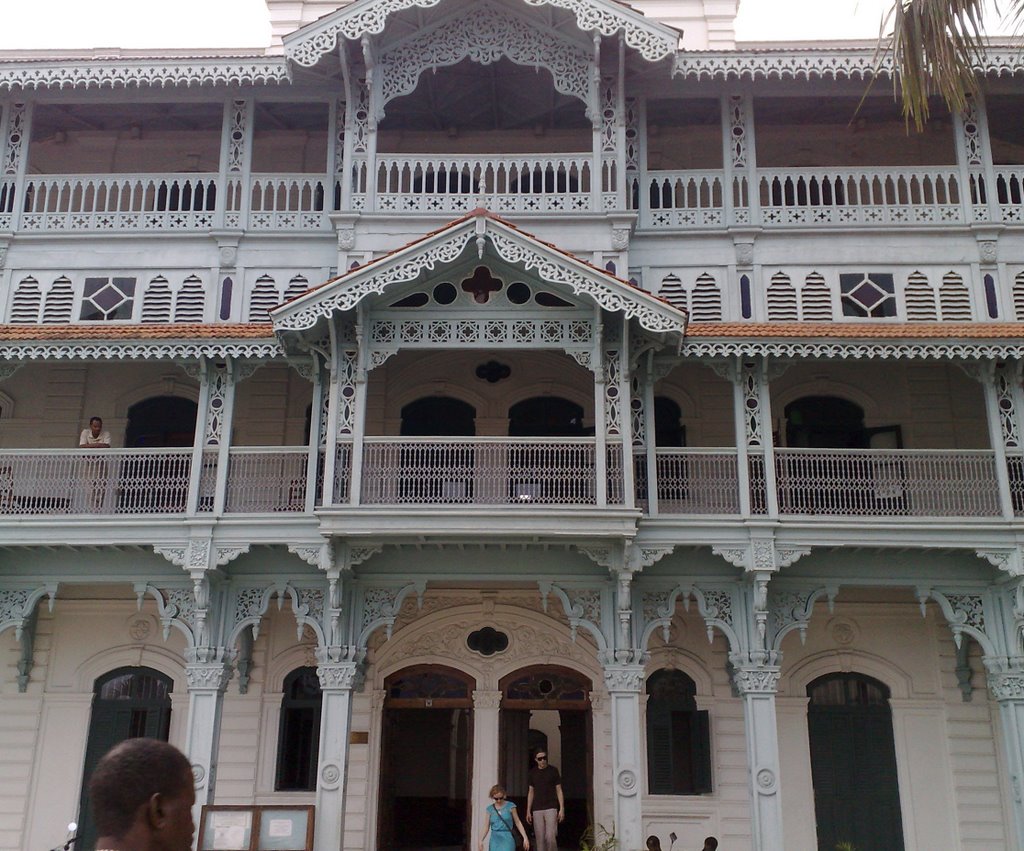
column 266, row 479
column 692, row 481
column 290, row 202
column 916, row 483
column 111, row 481
column 481, row 471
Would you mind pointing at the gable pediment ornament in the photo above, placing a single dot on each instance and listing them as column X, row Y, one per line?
column 508, row 244
column 652, row 40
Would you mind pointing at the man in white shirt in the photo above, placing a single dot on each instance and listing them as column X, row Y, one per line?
column 94, row 437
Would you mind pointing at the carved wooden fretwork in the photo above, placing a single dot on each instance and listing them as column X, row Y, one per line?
column 141, row 350
column 653, row 41
column 488, row 34
column 834, row 64
column 512, row 247
column 951, row 349
column 14, row 145
column 160, row 73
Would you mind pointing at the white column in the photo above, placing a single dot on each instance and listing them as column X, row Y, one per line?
column 757, row 685
column 206, row 684
column 486, row 712
column 1007, row 687
column 624, row 683
column 336, row 682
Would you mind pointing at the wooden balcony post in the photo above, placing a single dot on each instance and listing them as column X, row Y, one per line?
column 1003, row 415
column 14, row 142
column 213, row 432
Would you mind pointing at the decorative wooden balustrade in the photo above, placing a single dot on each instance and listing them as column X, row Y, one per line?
column 532, row 183
column 499, row 471
column 486, row 471
column 451, row 184
column 84, row 202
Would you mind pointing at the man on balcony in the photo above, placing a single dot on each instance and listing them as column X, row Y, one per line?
column 94, row 437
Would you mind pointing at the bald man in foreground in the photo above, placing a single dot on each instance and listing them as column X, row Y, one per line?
column 141, row 795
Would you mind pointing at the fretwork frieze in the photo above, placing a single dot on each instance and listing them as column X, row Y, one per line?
column 487, row 35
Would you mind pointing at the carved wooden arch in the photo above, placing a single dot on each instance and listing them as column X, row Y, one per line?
column 490, row 32
column 181, row 387
column 164, row 661
column 899, row 681
column 672, row 658
column 828, row 387
column 438, row 702
column 584, row 682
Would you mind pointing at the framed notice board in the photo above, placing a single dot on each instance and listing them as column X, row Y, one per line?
column 251, row 828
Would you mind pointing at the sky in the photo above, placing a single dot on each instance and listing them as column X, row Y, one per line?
column 27, row 24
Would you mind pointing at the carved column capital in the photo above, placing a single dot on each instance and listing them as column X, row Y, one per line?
column 619, row 678
column 1007, row 685
column 756, row 679
column 484, row 699
column 208, row 676
column 338, row 675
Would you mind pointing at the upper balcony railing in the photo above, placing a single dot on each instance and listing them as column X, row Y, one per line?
column 452, row 184
column 466, row 472
column 820, row 197
column 529, row 183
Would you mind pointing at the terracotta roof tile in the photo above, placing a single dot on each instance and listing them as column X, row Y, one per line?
column 182, row 331
column 859, row 330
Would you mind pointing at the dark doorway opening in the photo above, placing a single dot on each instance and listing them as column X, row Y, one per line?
column 426, row 760
column 161, row 421
column 129, row 703
column 549, row 707
column 853, row 764
column 433, row 473
column 545, row 416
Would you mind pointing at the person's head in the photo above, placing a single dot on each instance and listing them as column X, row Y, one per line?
column 541, row 758
column 710, row 844
column 95, row 426
column 497, row 793
column 143, row 789
column 653, row 843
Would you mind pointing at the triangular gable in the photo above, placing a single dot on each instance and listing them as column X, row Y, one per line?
column 651, row 39
column 483, row 233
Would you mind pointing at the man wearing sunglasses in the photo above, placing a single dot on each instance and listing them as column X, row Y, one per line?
column 545, row 803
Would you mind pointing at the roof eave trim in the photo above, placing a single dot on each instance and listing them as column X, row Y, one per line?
column 953, row 350
column 652, row 40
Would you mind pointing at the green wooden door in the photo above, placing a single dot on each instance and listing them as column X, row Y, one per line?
column 853, row 764
column 129, row 703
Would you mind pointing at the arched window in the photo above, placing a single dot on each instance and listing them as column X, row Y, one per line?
column 545, row 416
column 129, row 703
column 438, row 416
column 678, row 736
column 298, row 740
column 853, row 763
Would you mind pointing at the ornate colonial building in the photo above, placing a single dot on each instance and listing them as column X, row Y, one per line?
column 489, row 376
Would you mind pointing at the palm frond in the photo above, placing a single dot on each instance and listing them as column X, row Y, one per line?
column 935, row 46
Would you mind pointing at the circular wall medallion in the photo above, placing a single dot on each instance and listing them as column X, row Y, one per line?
column 330, row 774
column 766, row 781
column 626, row 781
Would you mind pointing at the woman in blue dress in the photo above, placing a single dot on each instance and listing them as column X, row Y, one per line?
column 502, row 819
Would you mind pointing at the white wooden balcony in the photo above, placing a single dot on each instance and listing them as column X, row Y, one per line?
column 468, row 472
column 450, row 183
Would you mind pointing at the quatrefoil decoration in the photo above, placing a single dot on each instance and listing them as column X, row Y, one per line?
column 481, row 285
